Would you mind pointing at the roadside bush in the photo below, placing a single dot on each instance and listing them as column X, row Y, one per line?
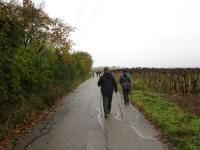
column 36, row 62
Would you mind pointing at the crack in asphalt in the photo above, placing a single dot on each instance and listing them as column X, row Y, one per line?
column 44, row 131
column 137, row 116
column 106, row 139
column 46, row 128
column 105, row 132
column 130, row 123
column 135, row 123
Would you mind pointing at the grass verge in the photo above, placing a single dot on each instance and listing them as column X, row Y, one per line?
column 182, row 129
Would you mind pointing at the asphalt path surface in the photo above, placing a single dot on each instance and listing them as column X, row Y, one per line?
column 78, row 124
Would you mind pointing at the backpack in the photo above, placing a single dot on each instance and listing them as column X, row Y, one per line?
column 126, row 83
column 107, row 85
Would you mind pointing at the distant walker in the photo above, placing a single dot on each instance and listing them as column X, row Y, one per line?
column 126, row 86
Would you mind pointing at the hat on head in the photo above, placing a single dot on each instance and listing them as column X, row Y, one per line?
column 124, row 71
column 106, row 70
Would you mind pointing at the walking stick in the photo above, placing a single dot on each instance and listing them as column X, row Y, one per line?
column 121, row 99
column 100, row 103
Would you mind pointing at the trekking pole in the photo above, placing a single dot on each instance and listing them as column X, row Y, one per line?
column 121, row 98
column 131, row 94
column 100, row 103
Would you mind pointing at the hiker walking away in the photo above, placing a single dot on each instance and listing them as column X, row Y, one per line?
column 108, row 84
column 97, row 74
column 126, row 86
column 92, row 74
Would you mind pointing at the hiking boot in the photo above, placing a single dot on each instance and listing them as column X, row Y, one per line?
column 106, row 116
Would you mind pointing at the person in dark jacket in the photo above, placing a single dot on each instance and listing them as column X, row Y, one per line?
column 126, row 86
column 108, row 84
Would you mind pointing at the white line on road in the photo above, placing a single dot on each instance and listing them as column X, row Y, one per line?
column 142, row 136
column 117, row 117
column 99, row 117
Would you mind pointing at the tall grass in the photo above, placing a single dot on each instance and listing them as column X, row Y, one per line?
column 182, row 129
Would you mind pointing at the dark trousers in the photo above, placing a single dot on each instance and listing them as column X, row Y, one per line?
column 107, row 101
column 126, row 95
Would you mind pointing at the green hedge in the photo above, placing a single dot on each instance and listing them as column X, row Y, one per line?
column 36, row 62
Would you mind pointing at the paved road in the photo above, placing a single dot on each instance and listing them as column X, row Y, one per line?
column 78, row 125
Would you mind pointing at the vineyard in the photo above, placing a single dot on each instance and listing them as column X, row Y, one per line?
column 173, row 81
column 170, row 99
column 180, row 85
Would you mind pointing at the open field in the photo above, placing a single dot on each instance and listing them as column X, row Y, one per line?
column 174, row 112
column 181, row 86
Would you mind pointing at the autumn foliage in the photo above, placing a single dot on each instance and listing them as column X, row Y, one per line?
column 36, row 62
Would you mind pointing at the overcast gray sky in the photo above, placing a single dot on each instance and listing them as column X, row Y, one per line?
column 131, row 33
